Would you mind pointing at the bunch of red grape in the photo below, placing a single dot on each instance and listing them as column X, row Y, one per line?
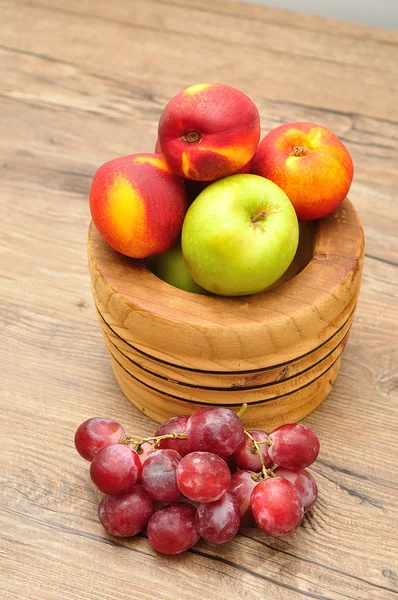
column 200, row 476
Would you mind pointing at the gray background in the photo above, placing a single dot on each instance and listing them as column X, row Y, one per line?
column 380, row 13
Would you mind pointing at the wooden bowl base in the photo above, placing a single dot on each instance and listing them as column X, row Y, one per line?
column 279, row 351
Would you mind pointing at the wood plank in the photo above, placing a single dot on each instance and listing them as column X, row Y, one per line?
column 289, row 19
column 370, row 88
column 80, row 84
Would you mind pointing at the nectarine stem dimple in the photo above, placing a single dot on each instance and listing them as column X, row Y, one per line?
column 192, row 137
column 299, row 151
column 258, row 216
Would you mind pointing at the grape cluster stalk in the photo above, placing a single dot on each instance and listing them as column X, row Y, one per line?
column 202, row 476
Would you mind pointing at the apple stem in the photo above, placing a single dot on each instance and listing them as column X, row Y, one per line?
column 258, row 216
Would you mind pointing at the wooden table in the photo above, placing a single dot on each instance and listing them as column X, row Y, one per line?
column 81, row 83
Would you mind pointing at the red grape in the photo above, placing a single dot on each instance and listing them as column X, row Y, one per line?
column 246, row 456
column 242, row 485
column 124, row 515
column 216, row 430
column 174, row 425
column 230, row 463
column 304, row 483
column 96, row 433
column 115, row 469
column 145, row 450
column 276, row 506
column 172, row 529
column 159, row 475
column 219, row 521
column 293, row 446
column 203, row 476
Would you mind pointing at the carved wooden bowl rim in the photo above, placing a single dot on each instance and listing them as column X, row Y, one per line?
column 307, row 303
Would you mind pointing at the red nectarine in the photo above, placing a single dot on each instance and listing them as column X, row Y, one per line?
column 138, row 204
column 208, row 131
column 310, row 164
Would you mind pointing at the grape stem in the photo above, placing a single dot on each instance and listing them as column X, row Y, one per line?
column 268, row 442
column 265, row 473
column 242, row 410
column 155, row 440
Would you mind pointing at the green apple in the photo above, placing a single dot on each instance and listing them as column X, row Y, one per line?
column 239, row 235
column 171, row 268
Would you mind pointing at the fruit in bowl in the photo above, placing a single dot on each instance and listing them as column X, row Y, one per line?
column 171, row 268
column 239, row 235
column 309, row 163
column 208, row 131
column 138, row 204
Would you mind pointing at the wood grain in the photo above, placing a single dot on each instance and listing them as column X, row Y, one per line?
column 84, row 82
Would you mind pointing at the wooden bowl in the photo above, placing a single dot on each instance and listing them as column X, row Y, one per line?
column 279, row 351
